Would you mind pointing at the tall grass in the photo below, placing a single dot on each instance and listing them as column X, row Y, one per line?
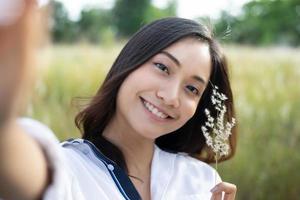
column 266, row 84
column 67, row 74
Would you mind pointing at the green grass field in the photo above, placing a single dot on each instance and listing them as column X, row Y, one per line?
column 266, row 84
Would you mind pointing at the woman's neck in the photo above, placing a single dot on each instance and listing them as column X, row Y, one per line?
column 137, row 150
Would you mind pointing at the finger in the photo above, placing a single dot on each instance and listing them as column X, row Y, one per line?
column 228, row 188
column 216, row 196
column 229, row 196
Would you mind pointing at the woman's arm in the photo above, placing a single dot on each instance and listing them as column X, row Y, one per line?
column 23, row 166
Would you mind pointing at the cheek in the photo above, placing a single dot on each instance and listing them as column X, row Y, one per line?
column 188, row 110
column 140, row 76
column 137, row 81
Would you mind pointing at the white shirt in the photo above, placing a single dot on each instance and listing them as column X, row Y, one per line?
column 79, row 174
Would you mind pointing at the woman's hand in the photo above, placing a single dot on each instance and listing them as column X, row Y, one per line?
column 22, row 158
column 228, row 189
column 17, row 23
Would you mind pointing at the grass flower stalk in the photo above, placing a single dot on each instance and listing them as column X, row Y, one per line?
column 218, row 130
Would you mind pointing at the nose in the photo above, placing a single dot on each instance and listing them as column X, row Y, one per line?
column 169, row 95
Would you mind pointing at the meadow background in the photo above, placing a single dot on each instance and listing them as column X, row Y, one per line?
column 267, row 96
column 266, row 85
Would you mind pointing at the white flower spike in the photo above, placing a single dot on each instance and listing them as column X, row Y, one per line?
column 217, row 131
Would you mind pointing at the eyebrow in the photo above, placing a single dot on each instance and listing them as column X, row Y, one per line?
column 197, row 78
column 172, row 58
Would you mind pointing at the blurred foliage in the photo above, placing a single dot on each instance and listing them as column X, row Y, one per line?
column 62, row 28
column 96, row 25
column 157, row 13
column 129, row 15
column 262, row 22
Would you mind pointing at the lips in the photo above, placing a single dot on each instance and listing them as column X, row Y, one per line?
column 158, row 112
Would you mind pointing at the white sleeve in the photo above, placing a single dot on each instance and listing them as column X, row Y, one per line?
column 62, row 186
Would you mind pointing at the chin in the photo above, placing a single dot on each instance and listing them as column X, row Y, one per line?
column 151, row 135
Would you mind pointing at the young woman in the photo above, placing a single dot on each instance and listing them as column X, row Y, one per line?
column 142, row 135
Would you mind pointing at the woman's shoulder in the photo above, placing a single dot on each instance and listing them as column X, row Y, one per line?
column 184, row 160
column 194, row 164
column 187, row 168
column 186, row 177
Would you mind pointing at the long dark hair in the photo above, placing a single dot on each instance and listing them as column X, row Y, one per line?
column 148, row 41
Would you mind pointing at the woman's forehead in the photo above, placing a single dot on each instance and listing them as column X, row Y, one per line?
column 189, row 51
column 190, row 57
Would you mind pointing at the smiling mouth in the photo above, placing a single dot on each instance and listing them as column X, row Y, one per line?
column 154, row 110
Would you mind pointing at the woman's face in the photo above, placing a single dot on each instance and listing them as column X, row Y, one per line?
column 163, row 93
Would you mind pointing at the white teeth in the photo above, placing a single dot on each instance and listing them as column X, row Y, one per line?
column 154, row 110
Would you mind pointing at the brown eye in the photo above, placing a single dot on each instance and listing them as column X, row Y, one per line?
column 193, row 89
column 162, row 67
